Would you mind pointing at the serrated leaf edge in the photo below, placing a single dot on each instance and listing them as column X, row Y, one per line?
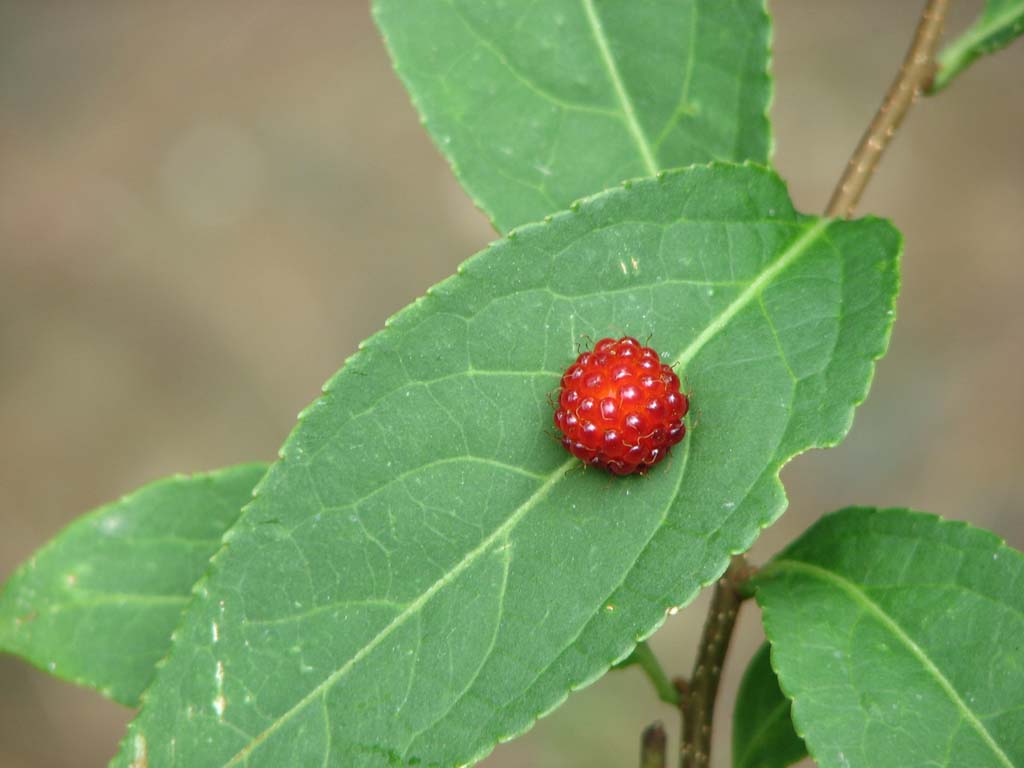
column 787, row 703
column 976, row 42
column 81, row 520
column 629, row 117
column 765, row 573
column 821, row 225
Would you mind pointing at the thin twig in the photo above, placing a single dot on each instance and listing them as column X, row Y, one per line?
column 914, row 76
column 653, row 747
column 699, row 693
column 644, row 656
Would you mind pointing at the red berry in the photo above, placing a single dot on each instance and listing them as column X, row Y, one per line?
column 619, row 408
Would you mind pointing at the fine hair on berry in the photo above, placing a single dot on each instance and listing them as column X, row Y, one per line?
column 620, row 408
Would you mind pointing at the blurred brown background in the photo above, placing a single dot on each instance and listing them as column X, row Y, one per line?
column 204, row 206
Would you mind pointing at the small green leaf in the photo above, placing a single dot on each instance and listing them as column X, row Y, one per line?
column 98, row 603
column 426, row 572
column 1000, row 23
column 538, row 104
column 762, row 731
column 898, row 637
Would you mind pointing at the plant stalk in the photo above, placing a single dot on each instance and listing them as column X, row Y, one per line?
column 653, row 747
column 644, row 656
column 700, row 691
column 914, row 77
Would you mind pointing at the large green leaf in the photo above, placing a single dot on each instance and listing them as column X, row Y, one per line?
column 1000, row 23
column 425, row 571
column 898, row 638
column 98, row 603
column 762, row 731
column 538, row 104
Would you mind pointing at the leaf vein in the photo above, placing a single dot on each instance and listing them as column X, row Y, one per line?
column 860, row 597
column 632, row 123
column 795, row 249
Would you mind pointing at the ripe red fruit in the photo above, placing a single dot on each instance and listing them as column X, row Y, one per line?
column 619, row 408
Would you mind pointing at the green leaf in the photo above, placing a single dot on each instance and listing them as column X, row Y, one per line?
column 898, row 637
column 762, row 731
column 1000, row 23
column 425, row 572
column 538, row 104
column 98, row 603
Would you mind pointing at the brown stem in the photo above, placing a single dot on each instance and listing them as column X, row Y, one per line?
column 653, row 747
column 914, row 76
column 699, row 693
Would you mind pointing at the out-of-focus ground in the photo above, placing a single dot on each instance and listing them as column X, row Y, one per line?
column 205, row 206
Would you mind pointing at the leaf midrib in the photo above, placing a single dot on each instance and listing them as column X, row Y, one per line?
column 796, row 248
column 777, row 712
column 628, row 111
column 952, row 58
column 861, row 598
column 469, row 559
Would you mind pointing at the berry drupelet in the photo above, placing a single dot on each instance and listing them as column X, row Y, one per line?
column 620, row 408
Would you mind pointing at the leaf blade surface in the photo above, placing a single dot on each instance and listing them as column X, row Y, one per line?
column 1000, row 23
column 762, row 732
column 537, row 105
column 892, row 632
column 425, row 573
column 97, row 604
